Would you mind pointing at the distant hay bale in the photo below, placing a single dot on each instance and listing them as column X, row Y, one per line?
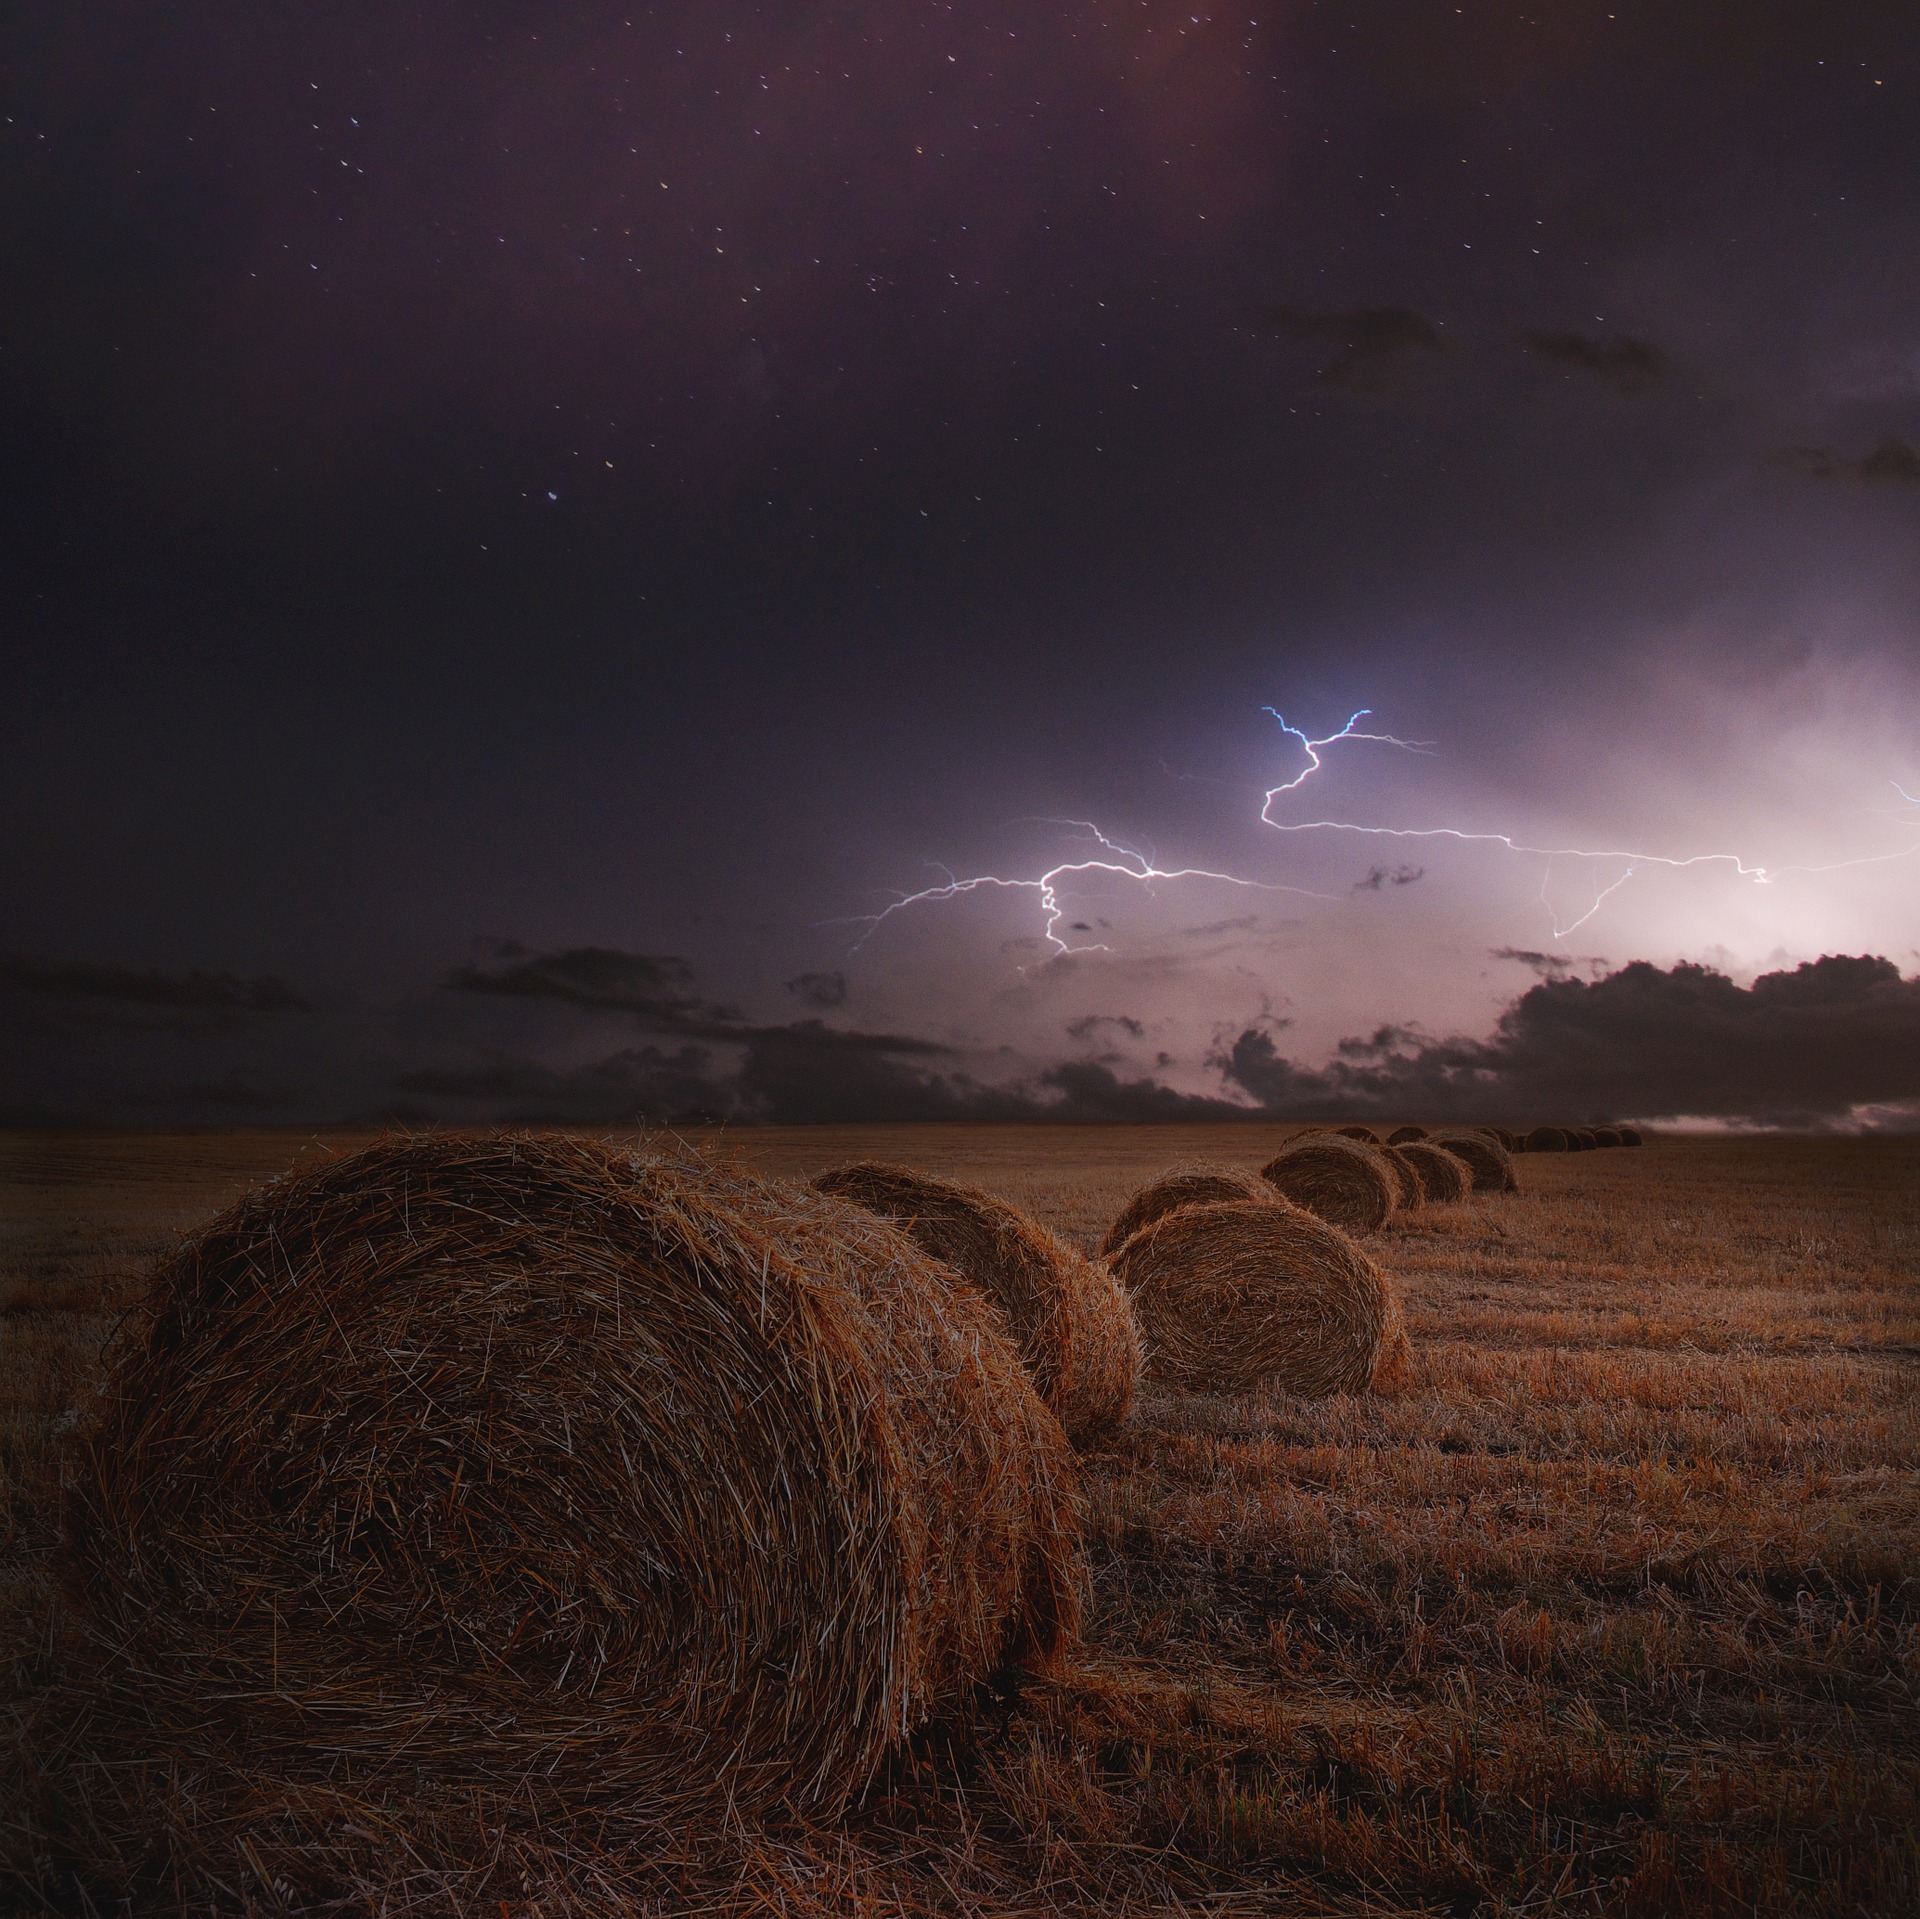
column 1198, row 1185
column 1340, row 1180
column 1365, row 1134
column 1510, row 1140
column 1630, row 1136
column 1413, row 1189
column 1580, row 1139
column 1607, row 1136
column 1247, row 1294
column 1548, row 1139
column 1491, row 1164
column 1444, row 1177
column 1069, row 1317
column 1406, row 1135
column 466, row 1492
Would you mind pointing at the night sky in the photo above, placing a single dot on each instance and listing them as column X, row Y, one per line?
column 527, row 527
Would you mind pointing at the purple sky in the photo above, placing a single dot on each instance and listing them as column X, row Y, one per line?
column 485, row 486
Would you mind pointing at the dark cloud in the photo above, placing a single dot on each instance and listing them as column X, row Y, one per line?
column 1389, row 876
column 825, row 990
column 1800, row 1047
column 1634, row 366
column 1892, row 463
column 1090, row 1024
column 652, row 987
column 1088, row 1093
column 642, row 1084
column 78, row 980
column 1372, row 342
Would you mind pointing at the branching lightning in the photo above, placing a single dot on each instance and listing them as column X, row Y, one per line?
column 1118, row 860
column 1128, row 863
column 1630, row 861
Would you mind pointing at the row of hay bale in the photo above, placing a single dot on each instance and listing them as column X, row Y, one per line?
column 1580, row 1139
column 475, row 1483
column 1538, row 1139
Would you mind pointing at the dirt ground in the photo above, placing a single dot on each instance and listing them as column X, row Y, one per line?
column 1611, row 1604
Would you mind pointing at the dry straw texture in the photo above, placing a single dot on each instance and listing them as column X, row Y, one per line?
column 1406, row 1172
column 1072, row 1322
column 1342, row 1181
column 1444, row 1176
column 1491, row 1163
column 1248, row 1294
column 1548, row 1139
column 465, row 1487
column 1197, row 1185
column 1365, row 1134
column 1406, row 1135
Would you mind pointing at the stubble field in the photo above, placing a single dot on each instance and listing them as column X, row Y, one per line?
column 1608, row 1605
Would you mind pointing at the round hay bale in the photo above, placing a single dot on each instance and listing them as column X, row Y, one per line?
column 1365, row 1134
column 464, row 1494
column 1606, row 1136
column 1444, row 1177
column 1247, row 1294
column 1510, row 1140
column 1548, row 1139
column 1340, row 1180
column 1406, row 1135
column 1630, row 1136
column 1580, row 1139
column 1491, row 1164
column 1197, row 1185
column 1066, row 1312
column 1406, row 1172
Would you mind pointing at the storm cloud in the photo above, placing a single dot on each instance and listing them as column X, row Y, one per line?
column 1803, row 1047
column 1892, row 463
column 1632, row 366
column 125, row 986
column 1372, row 341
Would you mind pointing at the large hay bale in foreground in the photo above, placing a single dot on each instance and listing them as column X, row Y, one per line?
column 1491, row 1163
column 469, row 1495
column 1340, row 1180
column 1406, row 1135
column 1412, row 1188
column 1067, row 1314
column 1248, row 1294
column 1444, row 1176
column 1548, row 1139
column 1197, row 1185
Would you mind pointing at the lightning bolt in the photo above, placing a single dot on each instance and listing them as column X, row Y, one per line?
column 1632, row 861
column 1129, row 863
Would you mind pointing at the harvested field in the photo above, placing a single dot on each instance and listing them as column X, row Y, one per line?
column 1605, row 1605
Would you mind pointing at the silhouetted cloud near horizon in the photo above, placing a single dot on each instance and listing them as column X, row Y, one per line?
column 1802, row 1047
column 825, row 990
column 1372, row 341
column 651, row 987
column 1892, row 463
column 1633, row 366
column 147, row 987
